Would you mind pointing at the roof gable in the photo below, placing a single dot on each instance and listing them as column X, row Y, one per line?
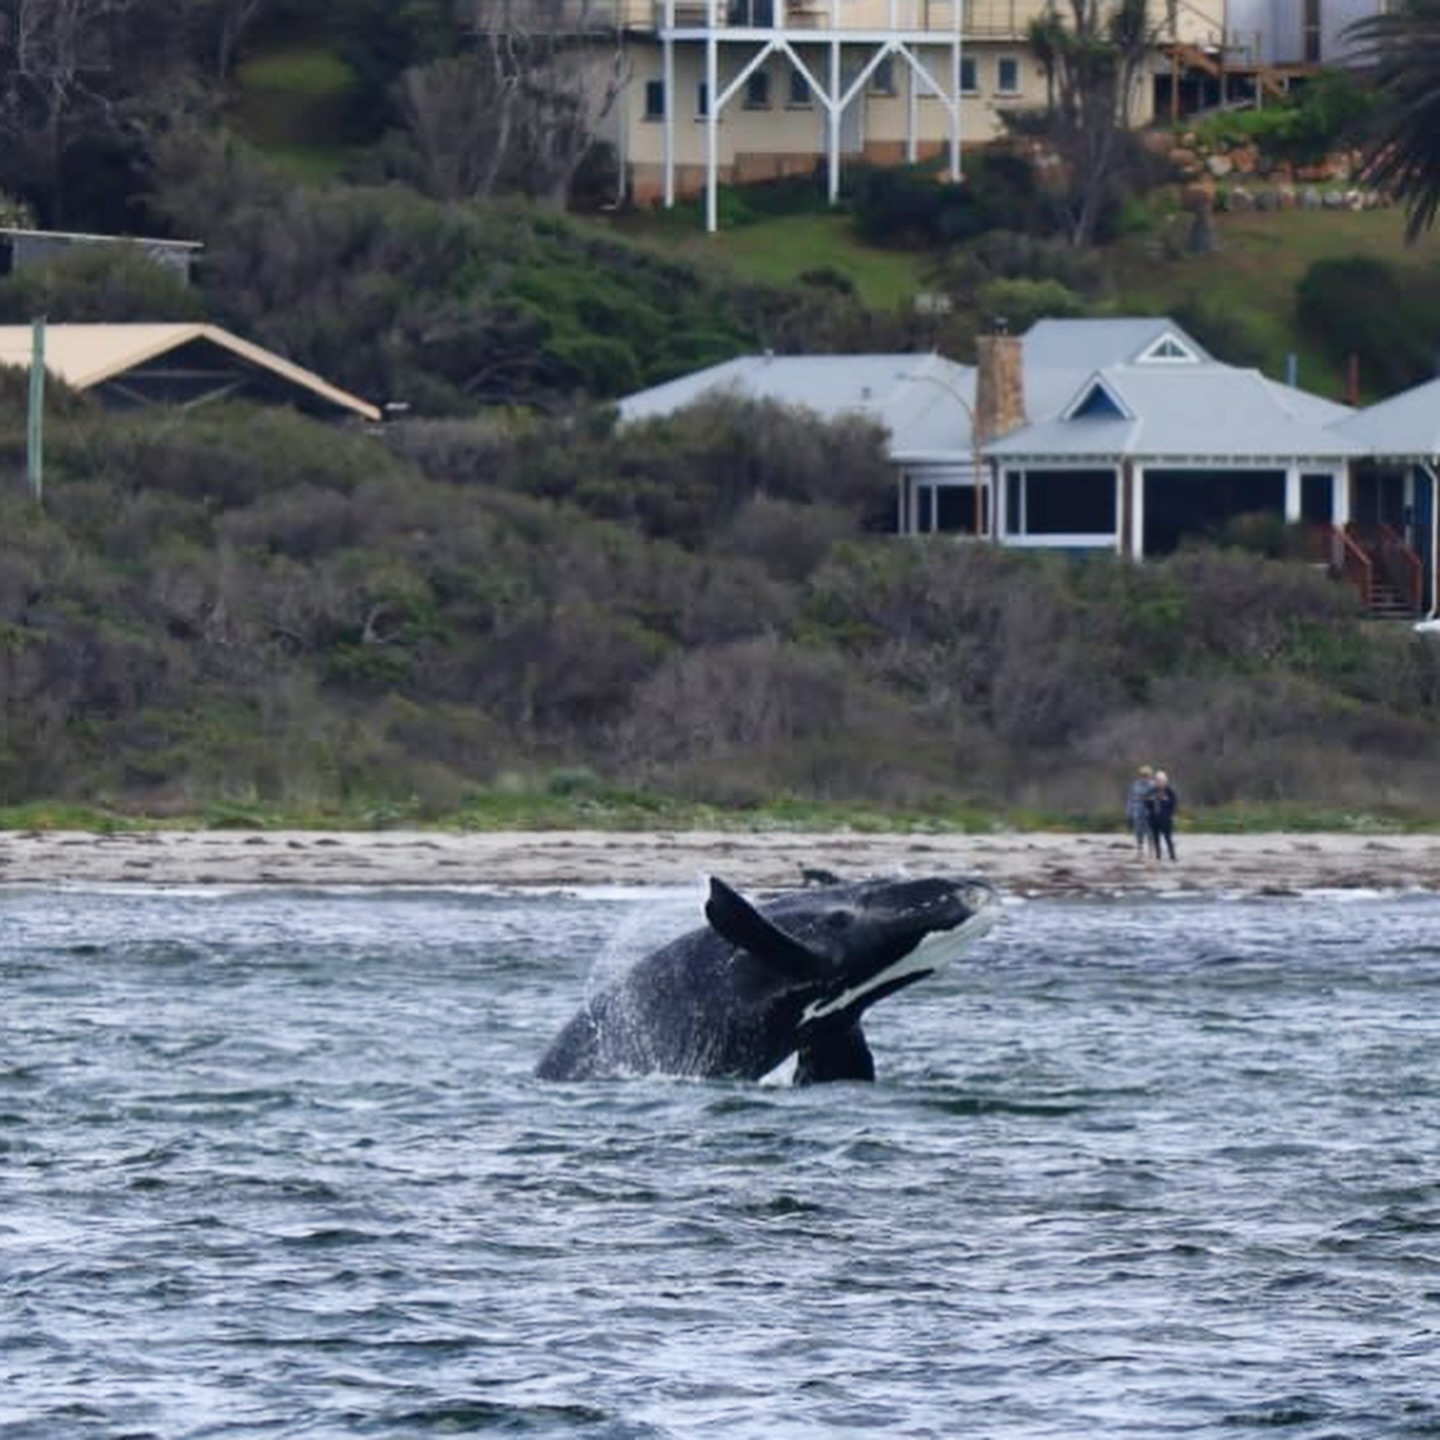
column 1169, row 349
column 1098, row 402
column 88, row 356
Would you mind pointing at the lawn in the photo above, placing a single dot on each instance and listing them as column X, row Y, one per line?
column 1249, row 279
column 778, row 251
column 296, row 104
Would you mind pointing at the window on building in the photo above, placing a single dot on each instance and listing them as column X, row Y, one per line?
column 1060, row 502
column 702, row 101
column 882, row 78
column 799, row 88
column 1007, row 75
column 654, row 99
column 757, row 91
column 1312, row 33
column 969, row 76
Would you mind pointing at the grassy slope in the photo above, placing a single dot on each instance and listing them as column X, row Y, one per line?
column 778, row 251
column 1253, row 273
column 293, row 102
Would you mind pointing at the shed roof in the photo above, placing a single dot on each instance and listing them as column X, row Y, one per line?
column 20, row 232
column 87, row 356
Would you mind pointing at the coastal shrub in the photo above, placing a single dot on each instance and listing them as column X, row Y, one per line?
column 1330, row 109
column 1388, row 319
column 787, row 539
column 446, row 306
column 1018, row 255
column 1227, row 333
column 751, row 697
column 102, row 283
column 1020, row 303
column 911, row 205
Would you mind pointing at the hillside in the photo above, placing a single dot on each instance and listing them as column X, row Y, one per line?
column 247, row 614
column 502, row 611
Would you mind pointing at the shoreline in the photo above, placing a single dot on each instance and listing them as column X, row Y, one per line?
column 1020, row 863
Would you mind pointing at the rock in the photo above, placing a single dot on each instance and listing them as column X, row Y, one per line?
column 1197, row 197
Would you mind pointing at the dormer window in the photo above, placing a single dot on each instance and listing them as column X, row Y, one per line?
column 1098, row 402
column 1169, row 349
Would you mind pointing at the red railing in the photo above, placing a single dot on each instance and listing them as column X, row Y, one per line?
column 1401, row 567
column 1350, row 562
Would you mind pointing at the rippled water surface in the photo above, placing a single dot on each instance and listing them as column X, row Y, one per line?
column 275, row 1165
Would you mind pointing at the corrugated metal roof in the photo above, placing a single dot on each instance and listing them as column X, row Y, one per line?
column 84, row 356
column 1201, row 411
column 1195, row 410
column 79, row 235
column 922, row 401
column 1092, row 344
column 1406, row 426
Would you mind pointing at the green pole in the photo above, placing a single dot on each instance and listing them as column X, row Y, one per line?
column 35, row 429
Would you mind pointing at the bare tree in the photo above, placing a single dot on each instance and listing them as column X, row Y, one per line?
column 460, row 113
column 520, row 111
column 1093, row 58
column 72, row 72
column 223, row 25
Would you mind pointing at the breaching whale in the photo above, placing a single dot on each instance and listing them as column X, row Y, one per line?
column 737, row 997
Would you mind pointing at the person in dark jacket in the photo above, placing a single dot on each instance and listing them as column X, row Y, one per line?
column 1160, row 806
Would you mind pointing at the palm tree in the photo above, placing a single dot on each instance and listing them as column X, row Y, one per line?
column 1404, row 46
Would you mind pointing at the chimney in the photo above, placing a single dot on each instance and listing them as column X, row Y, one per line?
column 999, row 385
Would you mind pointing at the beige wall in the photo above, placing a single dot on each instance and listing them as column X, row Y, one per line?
column 783, row 138
column 780, row 137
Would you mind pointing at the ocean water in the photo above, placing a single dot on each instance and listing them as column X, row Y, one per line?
column 274, row 1164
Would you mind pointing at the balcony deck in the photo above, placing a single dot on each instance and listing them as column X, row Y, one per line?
column 1185, row 21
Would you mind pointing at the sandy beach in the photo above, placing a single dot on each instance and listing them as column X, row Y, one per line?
column 1020, row 863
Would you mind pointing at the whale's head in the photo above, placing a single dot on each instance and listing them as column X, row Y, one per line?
column 843, row 947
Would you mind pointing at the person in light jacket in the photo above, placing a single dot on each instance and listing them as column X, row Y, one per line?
column 1135, row 813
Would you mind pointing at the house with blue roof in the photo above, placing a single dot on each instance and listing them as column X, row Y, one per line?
column 1123, row 435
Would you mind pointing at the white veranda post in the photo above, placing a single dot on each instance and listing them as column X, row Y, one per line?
column 835, row 86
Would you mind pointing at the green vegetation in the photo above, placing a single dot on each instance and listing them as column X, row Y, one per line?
column 247, row 618
column 1250, row 284
column 1329, row 111
column 504, row 612
column 779, row 252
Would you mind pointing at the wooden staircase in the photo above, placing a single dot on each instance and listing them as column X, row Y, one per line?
column 1384, row 570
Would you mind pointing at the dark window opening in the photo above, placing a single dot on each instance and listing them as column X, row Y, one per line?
column 1099, row 404
column 1196, row 504
column 1070, row 502
column 1380, row 497
column 1315, row 500
column 924, row 509
column 955, row 509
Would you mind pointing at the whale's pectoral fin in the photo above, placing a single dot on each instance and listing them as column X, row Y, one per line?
column 734, row 918
column 834, row 1051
